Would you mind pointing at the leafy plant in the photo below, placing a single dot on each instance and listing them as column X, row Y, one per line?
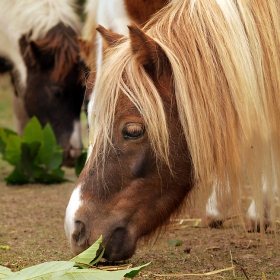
column 80, row 162
column 80, row 267
column 36, row 157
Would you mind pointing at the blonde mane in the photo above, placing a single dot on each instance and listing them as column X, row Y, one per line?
column 226, row 74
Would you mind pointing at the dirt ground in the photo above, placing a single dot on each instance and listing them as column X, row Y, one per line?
column 31, row 224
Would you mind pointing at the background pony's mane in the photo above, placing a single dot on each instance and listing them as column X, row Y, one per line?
column 38, row 16
column 62, row 43
column 225, row 63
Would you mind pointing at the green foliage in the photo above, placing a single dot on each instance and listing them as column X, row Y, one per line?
column 80, row 162
column 88, row 256
column 75, row 269
column 175, row 243
column 36, row 157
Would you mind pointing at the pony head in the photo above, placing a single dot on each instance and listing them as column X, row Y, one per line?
column 131, row 188
column 54, row 87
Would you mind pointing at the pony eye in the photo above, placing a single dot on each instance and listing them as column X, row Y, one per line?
column 133, row 131
column 56, row 92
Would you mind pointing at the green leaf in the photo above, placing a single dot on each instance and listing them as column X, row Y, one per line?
column 80, row 163
column 36, row 156
column 33, row 131
column 49, row 137
column 88, row 255
column 4, row 133
column 4, row 272
column 13, row 149
column 58, row 172
column 47, row 178
column 134, row 271
column 175, row 242
column 28, row 154
column 48, row 270
column 96, row 260
column 55, row 159
column 97, row 274
column 50, row 154
column 17, row 177
column 4, row 247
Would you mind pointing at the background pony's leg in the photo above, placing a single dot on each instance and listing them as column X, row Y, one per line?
column 254, row 219
column 218, row 208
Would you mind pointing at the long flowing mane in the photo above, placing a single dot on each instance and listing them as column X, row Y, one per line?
column 225, row 63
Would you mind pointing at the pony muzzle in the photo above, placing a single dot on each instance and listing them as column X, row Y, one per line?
column 120, row 246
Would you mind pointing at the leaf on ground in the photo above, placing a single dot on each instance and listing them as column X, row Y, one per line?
column 97, row 274
column 47, row 270
column 4, row 247
column 17, row 177
column 175, row 242
column 4, row 272
column 28, row 154
column 134, row 271
column 88, row 255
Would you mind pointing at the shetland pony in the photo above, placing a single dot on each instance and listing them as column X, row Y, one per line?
column 114, row 15
column 191, row 99
column 39, row 46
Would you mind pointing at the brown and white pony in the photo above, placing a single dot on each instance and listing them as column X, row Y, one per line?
column 113, row 15
column 39, row 46
column 191, row 99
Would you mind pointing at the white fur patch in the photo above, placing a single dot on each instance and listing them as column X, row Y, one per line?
column 212, row 207
column 73, row 205
column 38, row 16
column 75, row 140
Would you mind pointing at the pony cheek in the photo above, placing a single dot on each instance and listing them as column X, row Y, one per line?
column 140, row 165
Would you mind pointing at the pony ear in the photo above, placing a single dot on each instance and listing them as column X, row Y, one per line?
column 33, row 54
column 147, row 52
column 110, row 38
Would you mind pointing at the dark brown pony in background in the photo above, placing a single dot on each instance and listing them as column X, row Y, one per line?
column 191, row 99
column 39, row 43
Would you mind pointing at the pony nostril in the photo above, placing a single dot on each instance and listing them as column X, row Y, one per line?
column 79, row 234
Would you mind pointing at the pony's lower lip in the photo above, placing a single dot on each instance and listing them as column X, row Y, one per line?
column 119, row 246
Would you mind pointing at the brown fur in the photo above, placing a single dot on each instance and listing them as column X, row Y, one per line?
column 109, row 38
column 140, row 11
column 62, row 43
